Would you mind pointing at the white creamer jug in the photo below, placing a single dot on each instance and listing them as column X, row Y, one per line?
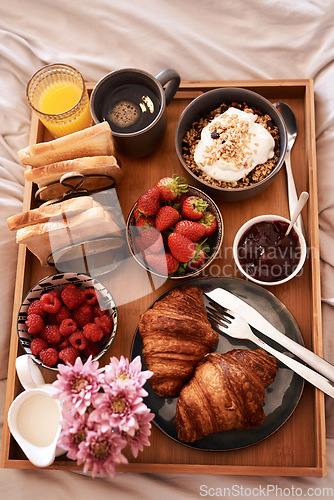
column 34, row 415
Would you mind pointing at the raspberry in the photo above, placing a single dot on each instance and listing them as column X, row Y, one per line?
column 105, row 323
column 56, row 293
column 49, row 356
column 51, row 319
column 92, row 297
column 69, row 355
column 51, row 334
column 78, row 340
column 67, row 327
column 37, row 345
column 62, row 314
column 64, row 342
column 72, row 296
column 93, row 332
column 35, row 324
column 83, row 315
column 36, row 308
column 92, row 349
column 50, row 302
column 97, row 311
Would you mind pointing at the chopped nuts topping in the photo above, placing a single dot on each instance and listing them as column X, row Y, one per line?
column 193, row 135
column 234, row 145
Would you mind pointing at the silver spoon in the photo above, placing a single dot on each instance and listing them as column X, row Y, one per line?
column 299, row 207
column 291, row 126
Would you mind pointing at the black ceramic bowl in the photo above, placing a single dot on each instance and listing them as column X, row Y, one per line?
column 214, row 241
column 201, row 107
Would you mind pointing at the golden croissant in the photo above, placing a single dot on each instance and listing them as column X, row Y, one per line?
column 176, row 335
column 226, row 392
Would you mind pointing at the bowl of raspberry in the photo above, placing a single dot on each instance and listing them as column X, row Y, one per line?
column 174, row 230
column 65, row 316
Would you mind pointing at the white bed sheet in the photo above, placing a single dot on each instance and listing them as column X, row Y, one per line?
column 212, row 39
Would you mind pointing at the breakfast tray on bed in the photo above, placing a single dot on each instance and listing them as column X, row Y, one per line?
column 298, row 447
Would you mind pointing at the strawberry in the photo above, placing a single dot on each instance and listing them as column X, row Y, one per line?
column 209, row 221
column 151, row 238
column 148, row 203
column 200, row 257
column 166, row 217
column 193, row 208
column 197, row 261
column 181, row 247
column 193, row 230
column 179, row 202
column 138, row 245
column 163, row 263
column 171, row 188
column 142, row 220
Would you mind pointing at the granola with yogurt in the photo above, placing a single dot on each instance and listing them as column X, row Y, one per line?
column 232, row 153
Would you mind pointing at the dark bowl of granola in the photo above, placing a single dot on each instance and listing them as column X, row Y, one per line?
column 232, row 141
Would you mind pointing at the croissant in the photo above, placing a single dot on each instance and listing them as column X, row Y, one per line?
column 176, row 335
column 226, row 392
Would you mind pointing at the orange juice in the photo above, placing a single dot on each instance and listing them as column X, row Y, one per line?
column 57, row 93
column 59, row 97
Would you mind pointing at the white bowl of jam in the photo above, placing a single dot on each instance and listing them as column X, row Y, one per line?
column 263, row 253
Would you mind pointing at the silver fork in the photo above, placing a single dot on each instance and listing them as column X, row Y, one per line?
column 229, row 323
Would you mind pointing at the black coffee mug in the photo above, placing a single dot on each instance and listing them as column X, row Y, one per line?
column 134, row 103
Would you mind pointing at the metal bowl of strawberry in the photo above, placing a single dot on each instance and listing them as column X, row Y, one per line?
column 174, row 230
column 65, row 316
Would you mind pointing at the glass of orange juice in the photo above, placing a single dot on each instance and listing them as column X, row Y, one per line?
column 58, row 94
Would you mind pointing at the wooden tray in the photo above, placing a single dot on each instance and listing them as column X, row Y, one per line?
column 298, row 447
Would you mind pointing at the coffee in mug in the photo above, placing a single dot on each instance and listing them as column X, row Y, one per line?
column 134, row 102
column 130, row 108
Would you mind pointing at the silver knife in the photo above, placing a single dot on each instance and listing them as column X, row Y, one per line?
column 255, row 319
column 298, row 367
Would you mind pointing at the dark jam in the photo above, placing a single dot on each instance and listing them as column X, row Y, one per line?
column 266, row 254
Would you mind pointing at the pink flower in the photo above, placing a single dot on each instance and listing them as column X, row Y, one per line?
column 140, row 439
column 128, row 374
column 116, row 408
column 78, row 384
column 74, row 432
column 101, row 451
column 103, row 411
